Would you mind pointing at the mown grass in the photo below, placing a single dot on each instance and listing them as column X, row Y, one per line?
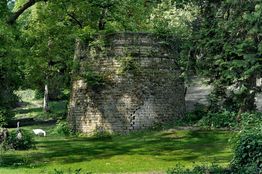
column 137, row 152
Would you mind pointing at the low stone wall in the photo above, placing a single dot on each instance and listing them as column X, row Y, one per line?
column 139, row 85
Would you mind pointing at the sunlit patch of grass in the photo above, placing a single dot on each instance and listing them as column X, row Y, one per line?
column 137, row 152
column 32, row 107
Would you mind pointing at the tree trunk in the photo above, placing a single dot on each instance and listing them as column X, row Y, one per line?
column 11, row 20
column 45, row 104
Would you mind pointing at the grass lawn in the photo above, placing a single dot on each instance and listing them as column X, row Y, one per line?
column 137, row 152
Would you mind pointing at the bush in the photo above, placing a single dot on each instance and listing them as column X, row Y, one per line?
column 198, row 113
column 193, row 117
column 25, row 142
column 62, row 128
column 248, row 145
column 199, row 170
column 5, row 116
column 250, row 120
column 8, row 99
column 39, row 94
column 218, row 120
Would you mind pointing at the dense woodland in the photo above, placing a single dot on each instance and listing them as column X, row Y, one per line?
column 219, row 40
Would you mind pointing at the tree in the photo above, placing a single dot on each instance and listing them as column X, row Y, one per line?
column 14, row 16
column 228, row 44
column 47, row 38
column 10, row 72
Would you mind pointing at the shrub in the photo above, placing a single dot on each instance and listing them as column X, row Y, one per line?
column 199, row 170
column 62, row 128
column 5, row 116
column 218, row 120
column 250, row 120
column 39, row 94
column 25, row 142
column 198, row 113
column 193, row 117
column 248, row 145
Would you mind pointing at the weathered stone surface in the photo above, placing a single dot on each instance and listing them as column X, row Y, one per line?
column 142, row 88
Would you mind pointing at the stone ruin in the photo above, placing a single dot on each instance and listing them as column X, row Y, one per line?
column 127, row 82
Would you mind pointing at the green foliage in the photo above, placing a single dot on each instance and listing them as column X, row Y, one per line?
column 193, row 117
column 32, row 108
column 205, row 118
column 198, row 170
column 227, row 49
column 5, row 116
column 62, row 128
column 223, row 119
column 94, row 80
column 170, row 18
column 10, row 70
column 39, row 94
column 129, row 65
column 25, row 142
column 248, row 145
column 44, row 36
column 248, row 152
column 251, row 120
column 70, row 171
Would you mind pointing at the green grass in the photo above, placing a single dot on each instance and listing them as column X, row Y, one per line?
column 32, row 108
column 138, row 152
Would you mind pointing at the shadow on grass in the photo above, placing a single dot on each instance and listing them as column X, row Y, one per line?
column 29, row 110
column 188, row 146
column 57, row 111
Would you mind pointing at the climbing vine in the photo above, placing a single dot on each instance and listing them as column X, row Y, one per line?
column 129, row 65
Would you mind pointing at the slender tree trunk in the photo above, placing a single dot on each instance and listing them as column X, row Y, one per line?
column 45, row 104
column 46, row 97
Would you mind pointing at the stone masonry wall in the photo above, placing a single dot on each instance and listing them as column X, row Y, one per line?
column 140, row 85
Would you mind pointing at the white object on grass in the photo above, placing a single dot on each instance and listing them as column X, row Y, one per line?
column 39, row 132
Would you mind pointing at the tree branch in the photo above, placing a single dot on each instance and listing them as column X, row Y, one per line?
column 11, row 20
column 80, row 23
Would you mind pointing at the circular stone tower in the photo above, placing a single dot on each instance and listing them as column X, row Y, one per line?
column 126, row 82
